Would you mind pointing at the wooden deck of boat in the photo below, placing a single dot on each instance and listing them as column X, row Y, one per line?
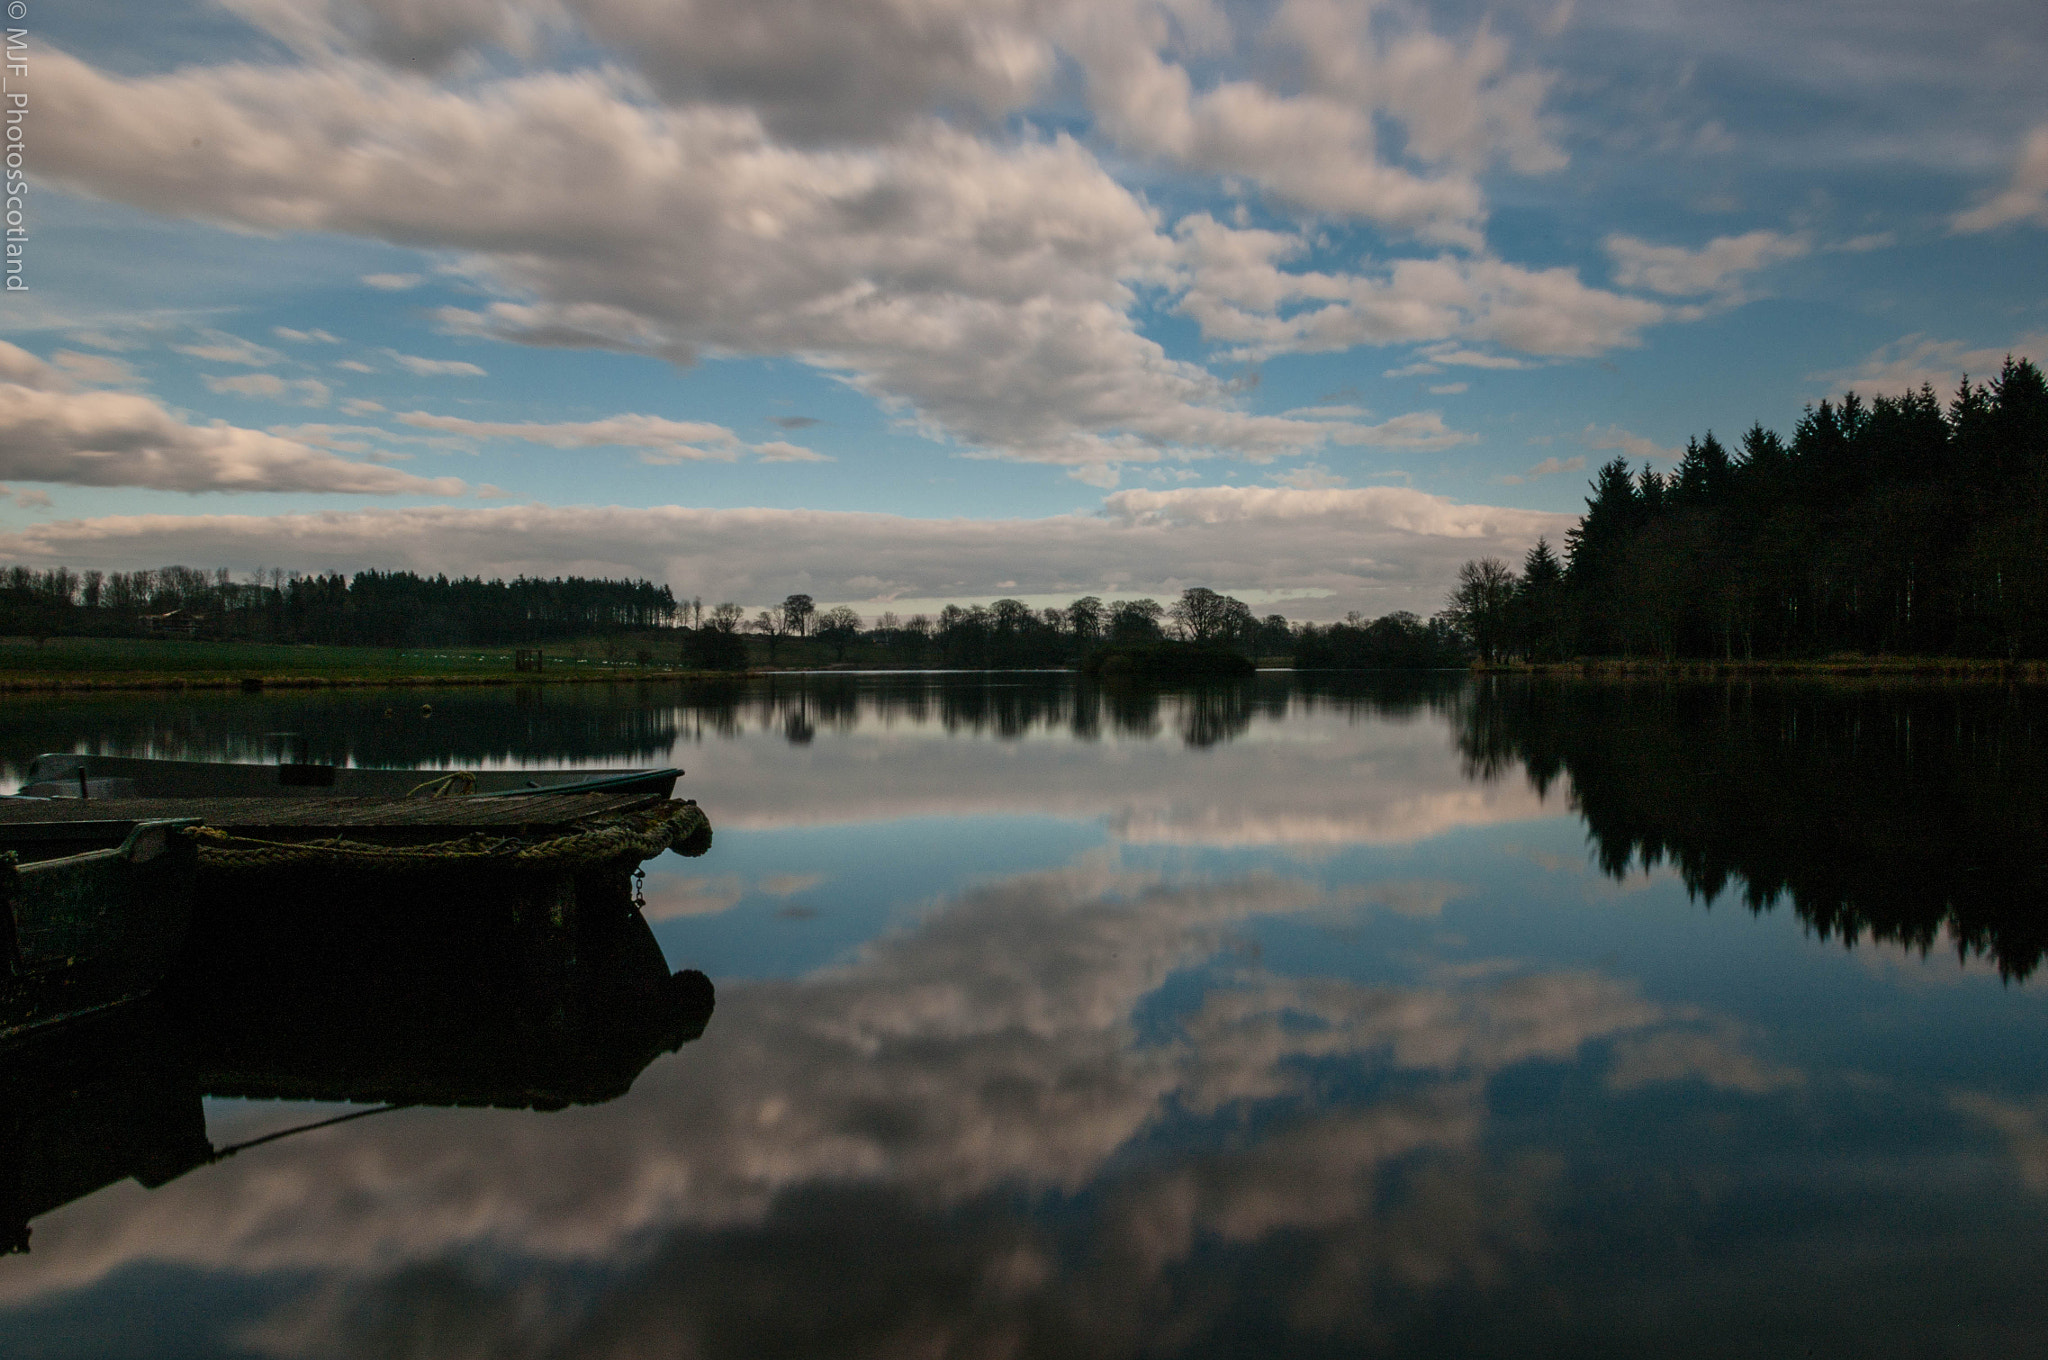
column 381, row 818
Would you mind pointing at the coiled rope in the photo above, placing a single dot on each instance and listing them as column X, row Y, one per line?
column 640, row 835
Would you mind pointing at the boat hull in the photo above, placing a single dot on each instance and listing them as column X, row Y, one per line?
column 66, row 775
column 91, row 915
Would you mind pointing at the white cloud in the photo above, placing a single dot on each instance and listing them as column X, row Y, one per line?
column 836, row 70
column 631, row 431
column 1632, row 445
column 315, row 336
column 1374, row 549
column 982, row 285
column 862, row 71
column 23, row 369
column 354, row 366
column 666, row 441
column 1416, row 430
column 1716, row 267
column 1409, row 511
column 434, row 368
column 1239, row 293
column 1449, row 389
column 2023, row 200
column 983, row 291
column 1458, row 106
column 1339, row 412
column 1910, row 361
column 1313, row 477
column 1550, row 467
column 361, row 406
column 1309, row 150
column 817, row 70
column 221, row 348
column 369, row 440
column 1473, row 358
column 99, row 339
column 51, row 434
column 339, row 438
column 781, row 451
column 394, row 283
column 304, row 391
column 422, row 35
column 96, row 369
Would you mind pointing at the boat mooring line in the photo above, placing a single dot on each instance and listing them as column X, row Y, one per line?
column 220, row 1154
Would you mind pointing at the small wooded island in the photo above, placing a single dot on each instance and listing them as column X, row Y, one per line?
column 1898, row 528
column 1166, row 660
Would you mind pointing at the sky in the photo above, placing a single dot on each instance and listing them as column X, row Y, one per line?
column 896, row 302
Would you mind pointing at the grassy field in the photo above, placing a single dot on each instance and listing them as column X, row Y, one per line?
column 128, row 663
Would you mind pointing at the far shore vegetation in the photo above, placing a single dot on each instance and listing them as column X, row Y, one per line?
column 1894, row 529
column 1900, row 535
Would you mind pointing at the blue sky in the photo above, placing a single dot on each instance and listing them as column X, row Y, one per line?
column 903, row 302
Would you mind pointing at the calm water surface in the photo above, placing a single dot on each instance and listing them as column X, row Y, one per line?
column 1307, row 1017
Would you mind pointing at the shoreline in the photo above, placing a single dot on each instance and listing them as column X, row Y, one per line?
column 76, row 683
column 1599, row 668
column 83, row 682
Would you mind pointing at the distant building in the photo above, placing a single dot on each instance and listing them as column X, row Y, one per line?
column 175, row 623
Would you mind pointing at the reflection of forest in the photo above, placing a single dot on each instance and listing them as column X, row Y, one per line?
column 1903, row 812
column 644, row 724
column 1010, row 705
column 384, row 728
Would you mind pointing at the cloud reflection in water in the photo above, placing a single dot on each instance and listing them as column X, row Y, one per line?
column 991, row 1052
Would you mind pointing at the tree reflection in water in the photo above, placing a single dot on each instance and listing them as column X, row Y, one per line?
column 1901, row 812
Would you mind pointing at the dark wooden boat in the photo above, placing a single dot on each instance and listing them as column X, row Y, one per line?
column 92, row 913
column 66, row 775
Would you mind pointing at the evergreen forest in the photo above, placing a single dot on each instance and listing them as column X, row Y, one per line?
column 372, row 609
column 1899, row 526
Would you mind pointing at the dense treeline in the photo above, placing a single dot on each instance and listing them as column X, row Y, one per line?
column 406, row 610
column 1898, row 526
column 1007, row 633
column 1910, row 814
column 370, row 609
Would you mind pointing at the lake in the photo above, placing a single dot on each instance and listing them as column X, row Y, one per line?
column 1315, row 1015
